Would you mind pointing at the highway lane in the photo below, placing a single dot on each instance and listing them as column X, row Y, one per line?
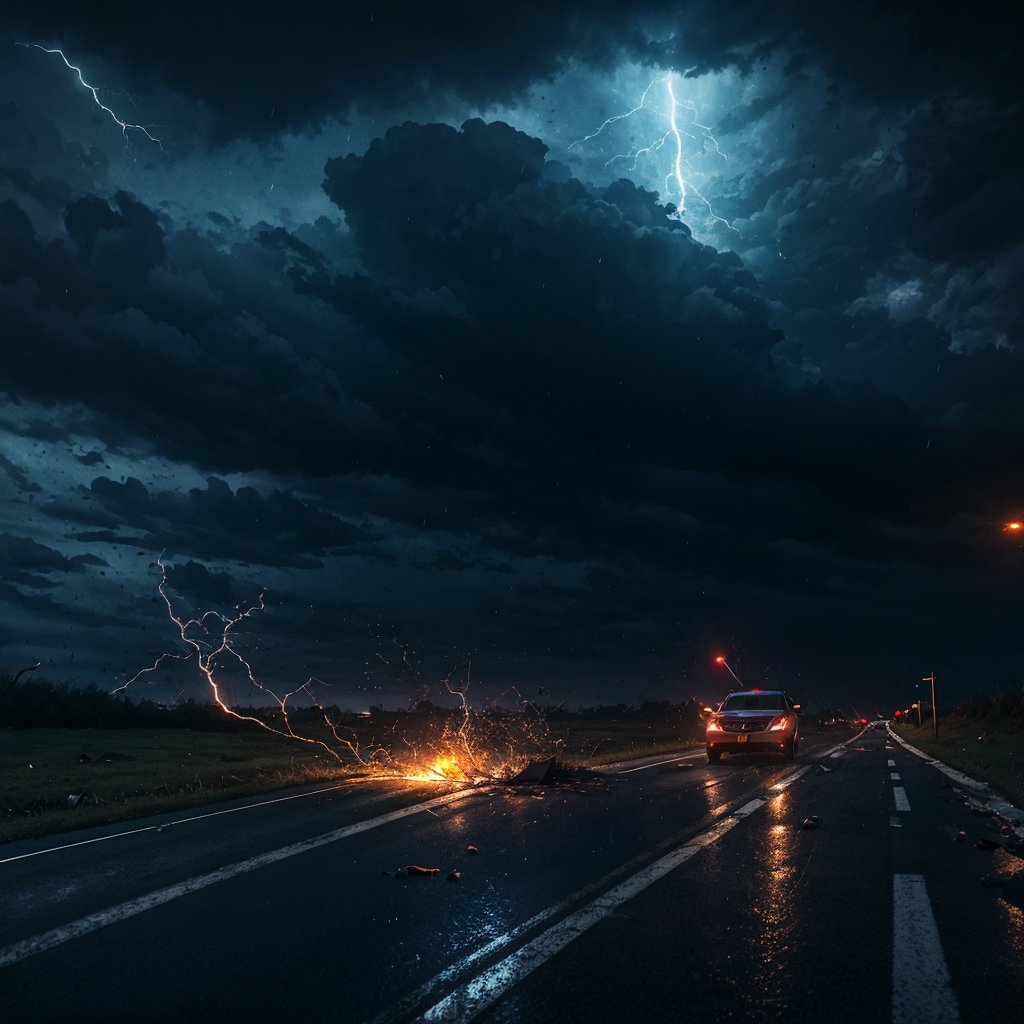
column 611, row 894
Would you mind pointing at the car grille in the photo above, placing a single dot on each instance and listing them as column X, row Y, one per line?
column 746, row 724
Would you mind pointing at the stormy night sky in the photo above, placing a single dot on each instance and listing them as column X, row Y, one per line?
column 401, row 321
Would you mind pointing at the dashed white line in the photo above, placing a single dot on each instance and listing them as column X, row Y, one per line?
column 483, row 991
column 892, row 763
column 921, row 986
column 899, row 794
column 895, row 776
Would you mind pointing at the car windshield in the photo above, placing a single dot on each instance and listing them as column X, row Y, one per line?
column 754, row 702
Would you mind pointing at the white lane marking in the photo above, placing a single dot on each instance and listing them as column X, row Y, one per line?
column 177, row 821
column 921, row 986
column 790, row 779
column 92, row 922
column 894, row 822
column 892, row 763
column 899, row 794
column 895, row 776
column 672, row 760
column 483, row 991
column 837, row 753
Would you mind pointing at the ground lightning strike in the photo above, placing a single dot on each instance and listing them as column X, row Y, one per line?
column 461, row 748
column 125, row 126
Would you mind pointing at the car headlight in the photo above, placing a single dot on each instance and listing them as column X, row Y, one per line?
column 713, row 726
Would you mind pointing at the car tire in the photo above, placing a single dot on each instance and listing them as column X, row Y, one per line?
column 714, row 756
column 789, row 750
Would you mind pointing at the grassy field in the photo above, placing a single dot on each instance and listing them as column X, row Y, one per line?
column 132, row 772
column 989, row 750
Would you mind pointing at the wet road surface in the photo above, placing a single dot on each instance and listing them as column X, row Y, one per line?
column 660, row 890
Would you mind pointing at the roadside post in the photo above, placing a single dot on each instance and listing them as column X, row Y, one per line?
column 935, row 713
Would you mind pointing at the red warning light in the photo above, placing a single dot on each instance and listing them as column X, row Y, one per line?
column 719, row 659
column 896, row 714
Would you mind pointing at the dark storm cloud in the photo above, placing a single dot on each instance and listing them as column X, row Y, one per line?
column 527, row 412
column 275, row 529
column 275, row 66
column 26, row 563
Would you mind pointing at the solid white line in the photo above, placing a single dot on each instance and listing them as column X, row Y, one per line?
column 84, row 925
column 899, row 794
column 895, row 776
column 921, row 986
column 483, row 991
column 177, row 821
column 654, row 764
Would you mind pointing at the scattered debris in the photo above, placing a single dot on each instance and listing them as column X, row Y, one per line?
column 809, row 823
column 415, row 869
column 824, row 768
column 454, row 876
column 74, row 799
column 84, row 758
column 535, row 771
column 960, row 836
column 471, row 849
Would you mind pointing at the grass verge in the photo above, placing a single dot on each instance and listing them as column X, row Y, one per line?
column 990, row 751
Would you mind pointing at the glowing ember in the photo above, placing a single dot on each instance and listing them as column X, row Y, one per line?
column 444, row 769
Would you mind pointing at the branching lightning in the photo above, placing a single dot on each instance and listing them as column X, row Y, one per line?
column 677, row 183
column 209, row 654
column 125, row 126
column 462, row 747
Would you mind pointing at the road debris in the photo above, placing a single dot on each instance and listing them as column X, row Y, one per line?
column 415, row 869
column 454, row 876
column 471, row 849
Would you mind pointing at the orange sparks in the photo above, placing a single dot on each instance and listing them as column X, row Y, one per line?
column 444, row 769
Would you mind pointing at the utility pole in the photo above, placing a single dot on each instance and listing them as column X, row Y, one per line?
column 917, row 699
column 935, row 714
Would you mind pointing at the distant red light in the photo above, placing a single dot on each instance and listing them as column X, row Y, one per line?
column 896, row 714
column 719, row 659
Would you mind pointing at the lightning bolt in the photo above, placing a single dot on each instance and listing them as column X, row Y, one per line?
column 677, row 183
column 125, row 126
column 210, row 655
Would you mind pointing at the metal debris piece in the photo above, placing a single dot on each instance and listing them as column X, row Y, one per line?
column 454, row 876
column 74, row 799
column 471, row 849
column 809, row 823
column 415, row 869
column 535, row 771
column 960, row 836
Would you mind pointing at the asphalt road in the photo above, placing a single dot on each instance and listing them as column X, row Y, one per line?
column 665, row 890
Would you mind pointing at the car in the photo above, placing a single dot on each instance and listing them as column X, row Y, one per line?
column 753, row 721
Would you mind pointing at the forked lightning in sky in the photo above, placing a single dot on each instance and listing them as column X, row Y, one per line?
column 125, row 126
column 677, row 184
